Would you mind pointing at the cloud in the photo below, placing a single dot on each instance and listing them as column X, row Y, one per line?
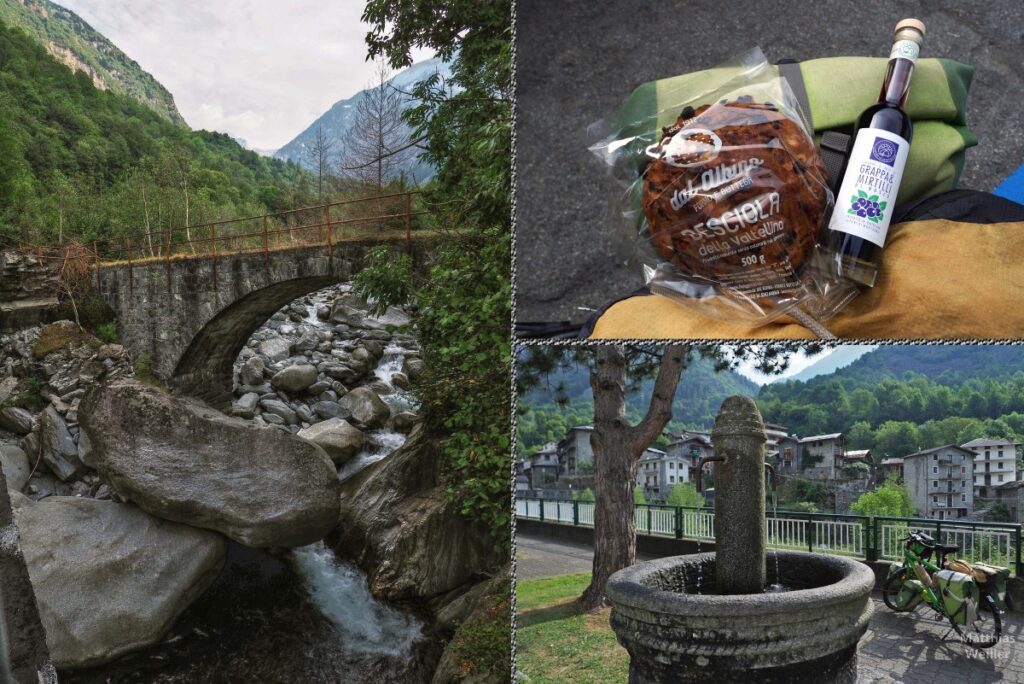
column 258, row 70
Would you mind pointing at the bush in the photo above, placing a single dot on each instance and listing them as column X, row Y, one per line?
column 586, row 495
column 890, row 499
column 638, row 495
column 388, row 280
column 684, row 494
column 107, row 332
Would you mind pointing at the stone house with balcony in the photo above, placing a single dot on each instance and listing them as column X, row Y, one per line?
column 542, row 468
column 1011, row 495
column 941, row 481
column 684, row 453
column 653, row 473
column 995, row 464
column 781, row 448
column 821, row 456
column 575, row 454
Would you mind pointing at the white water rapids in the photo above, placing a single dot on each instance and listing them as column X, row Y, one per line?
column 341, row 592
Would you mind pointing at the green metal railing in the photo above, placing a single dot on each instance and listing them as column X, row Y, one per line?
column 871, row 538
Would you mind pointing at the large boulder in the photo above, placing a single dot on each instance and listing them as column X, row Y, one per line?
column 367, row 410
column 295, row 379
column 399, row 526
column 339, row 438
column 108, row 578
column 58, row 447
column 180, row 460
column 16, row 420
column 15, row 466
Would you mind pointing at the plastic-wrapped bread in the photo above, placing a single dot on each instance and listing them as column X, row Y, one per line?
column 735, row 193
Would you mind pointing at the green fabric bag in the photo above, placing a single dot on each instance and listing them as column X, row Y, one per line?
column 839, row 89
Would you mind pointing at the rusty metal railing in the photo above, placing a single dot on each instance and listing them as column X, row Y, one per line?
column 320, row 225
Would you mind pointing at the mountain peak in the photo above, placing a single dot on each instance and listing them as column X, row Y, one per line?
column 77, row 45
column 338, row 120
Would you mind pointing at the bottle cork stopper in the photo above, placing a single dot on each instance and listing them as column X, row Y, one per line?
column 916, row 24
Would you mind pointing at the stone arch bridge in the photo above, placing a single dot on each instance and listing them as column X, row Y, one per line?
column 192, row 316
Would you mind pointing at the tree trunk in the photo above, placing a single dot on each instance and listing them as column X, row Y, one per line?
column 618, row 447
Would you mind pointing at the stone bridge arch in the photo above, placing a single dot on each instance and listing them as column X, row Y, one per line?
column 189, row 318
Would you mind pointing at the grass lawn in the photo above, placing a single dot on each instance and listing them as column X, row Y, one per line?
column 556, row 641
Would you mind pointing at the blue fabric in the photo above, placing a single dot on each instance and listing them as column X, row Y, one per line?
column 1013, row 187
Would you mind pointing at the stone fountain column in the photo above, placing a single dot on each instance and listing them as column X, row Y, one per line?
column 739, row 438
column 705, row 618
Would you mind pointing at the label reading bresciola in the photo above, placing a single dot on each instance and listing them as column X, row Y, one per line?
column 867, row 196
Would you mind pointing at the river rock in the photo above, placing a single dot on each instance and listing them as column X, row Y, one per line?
column 361, row 360
column 60, row 453
column 16, row 420
column 328, row 409
column 404, row 421
column 15, row 466
column 110, row 579
column 397, row 523
column 251, row 372
column 307, row 341
column 343, row 373
column 366, row 408
column 412, row 367
column 295, row 379
column 339, row 438
column 280, row 409
column 318, row 388
column 275, row 349
column 182, row 461
column 245, row 407
column 342, row 312
column 400, row 380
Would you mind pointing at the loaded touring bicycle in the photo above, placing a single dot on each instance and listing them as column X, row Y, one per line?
column 972, row 596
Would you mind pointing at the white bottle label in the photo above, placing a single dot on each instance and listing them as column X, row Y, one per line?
column 907, row 49
column 868, row 194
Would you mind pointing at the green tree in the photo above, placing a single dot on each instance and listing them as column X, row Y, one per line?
column 861, row 436
column 897, row 438
column 638, row 495
column 463, row 129
column 586, row 495
column 684, row 494
column 999, row 513
column 890, row 499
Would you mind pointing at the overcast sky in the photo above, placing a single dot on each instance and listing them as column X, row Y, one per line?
column 259, row 70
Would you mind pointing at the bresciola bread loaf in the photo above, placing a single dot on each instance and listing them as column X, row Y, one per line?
column 735, row 193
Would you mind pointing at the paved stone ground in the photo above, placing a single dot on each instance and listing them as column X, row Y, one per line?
column 897, row 649
column 578, row 59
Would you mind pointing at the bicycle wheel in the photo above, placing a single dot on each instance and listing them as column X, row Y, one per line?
column 890, row 590
column 987, row 628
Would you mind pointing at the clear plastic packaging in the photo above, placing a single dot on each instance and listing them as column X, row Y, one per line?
column 728, row 195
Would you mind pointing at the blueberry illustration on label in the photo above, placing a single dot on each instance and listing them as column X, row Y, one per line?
column 866, row 206
column 884, row 151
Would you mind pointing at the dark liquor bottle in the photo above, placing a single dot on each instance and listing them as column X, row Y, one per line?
column 874, row 170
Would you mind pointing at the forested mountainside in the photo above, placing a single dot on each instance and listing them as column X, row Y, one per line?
column 71, row 40
column 896, row 399
column 91, row 164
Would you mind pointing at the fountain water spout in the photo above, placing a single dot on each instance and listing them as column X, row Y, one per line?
column 738, row 438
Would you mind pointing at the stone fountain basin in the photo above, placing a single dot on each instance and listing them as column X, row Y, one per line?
column 675, row 634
